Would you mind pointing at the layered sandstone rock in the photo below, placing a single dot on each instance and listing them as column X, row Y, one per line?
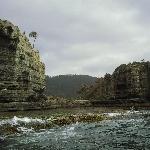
column 129, row 81
column 132, row 80
column 22, row 74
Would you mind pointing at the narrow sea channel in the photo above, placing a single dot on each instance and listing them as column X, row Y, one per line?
column 123, row 130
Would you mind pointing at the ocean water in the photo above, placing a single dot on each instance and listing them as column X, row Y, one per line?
column 127, row 130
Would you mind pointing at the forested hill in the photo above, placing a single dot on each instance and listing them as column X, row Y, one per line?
column 66, row 85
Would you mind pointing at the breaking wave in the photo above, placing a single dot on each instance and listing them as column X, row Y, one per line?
column 16, row 121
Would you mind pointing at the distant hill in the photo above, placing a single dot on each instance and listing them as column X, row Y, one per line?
column 66, row 85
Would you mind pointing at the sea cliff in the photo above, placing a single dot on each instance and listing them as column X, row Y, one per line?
column 22, row 74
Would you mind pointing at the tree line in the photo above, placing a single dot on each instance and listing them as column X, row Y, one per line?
column 67, row 85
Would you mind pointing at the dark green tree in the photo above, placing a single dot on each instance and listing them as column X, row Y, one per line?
column 67, row 85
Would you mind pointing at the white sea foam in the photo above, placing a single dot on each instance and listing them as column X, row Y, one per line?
column 125, row 113
column 16, row 121
column 27, row 120
column 132, row 112
column 112, row 114
column 25, row 130
column 69, row 131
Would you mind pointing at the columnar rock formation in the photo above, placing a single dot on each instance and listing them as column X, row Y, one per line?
column 127, row 82
column 132, row 80
column 22, row 74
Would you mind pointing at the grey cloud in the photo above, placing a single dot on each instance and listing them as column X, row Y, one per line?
column 84, row 36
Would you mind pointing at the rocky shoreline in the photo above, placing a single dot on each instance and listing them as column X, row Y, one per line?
column 33, row 106
column 18, row 125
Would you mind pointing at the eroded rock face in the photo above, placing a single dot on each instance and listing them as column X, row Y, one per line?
column 132, row 80
column 127, row 82
column 22, row 74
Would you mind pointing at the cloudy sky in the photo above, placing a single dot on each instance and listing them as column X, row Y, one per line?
column 84, row 36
